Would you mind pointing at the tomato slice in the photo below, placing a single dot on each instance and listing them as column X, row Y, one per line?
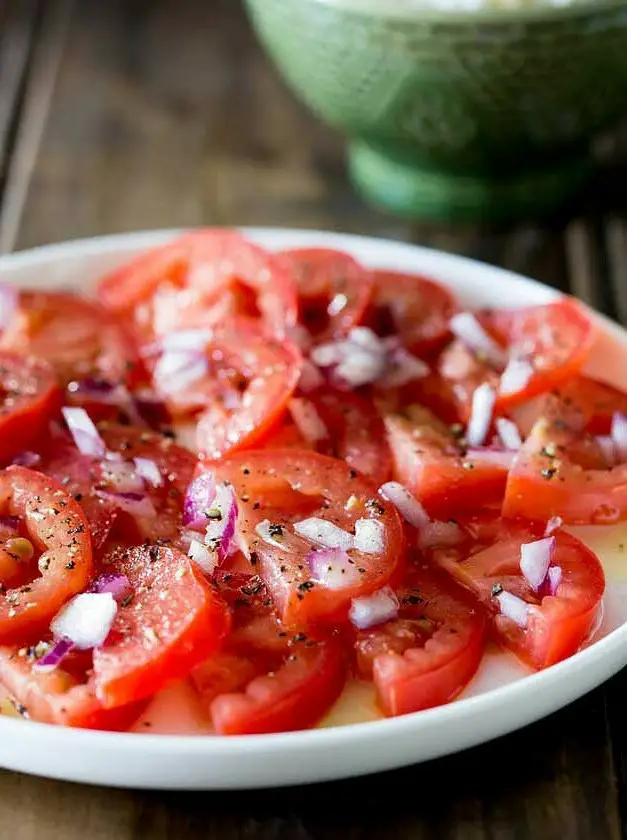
column 77, row 337
column 355, row 433
column 431, row 392
column 426, row 656
column 557, row 624
column 412, row 307
column 28, row 397
column 333, row 290
column 155, row 639
column 57, row 530
column 191, row 274
column 428, row 461
column 287, row 486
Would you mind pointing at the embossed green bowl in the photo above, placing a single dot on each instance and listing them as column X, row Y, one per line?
column 457, row 115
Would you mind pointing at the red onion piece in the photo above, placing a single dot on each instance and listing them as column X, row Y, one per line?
column 310, row 377
column 483, row 401
column 148, row 470
column 515, row 376
column 9, row 304
column 10, row 523
column 135, row 504
column 608, row 448
column 220, row 531
column 440, row 534
column 332, row 568
column 514, row 608
column 119, row 586
column 55, row 655
column 177, row 370
column 619, row 434
column 86, row 620
column 497, row 457
column 193, row 341
column 27, row 459
column 85, row 435
column 324, row 533
column 508, row 433
column 309, row 423
column 535, row 559
column 369, row 536
column 202, row 557
column 553, row 525
column 407, row 505
column 374, row 609
column 403, row 368
column 467, row 328
column 103, row 391
column 120, row 475
column 198, row 498
column 554, row 577
column 265, row 530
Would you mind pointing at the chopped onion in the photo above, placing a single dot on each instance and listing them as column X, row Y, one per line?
column 437, row 534
column 467, row 328
column 198, row 498
column 265, row 531
column 403, row 368
column 135, row 504
column 495, row 457
column 10, row 523
column 619, row 434
column 535, row 559
column 553, row 525
column 325, row 355
column 55, row 655
column 333, row 569
column 369, row 536
column 608, row 448
column 26, row 459
column 515, row 376
column 508, row 433
column 324, row 533
column 121, row 475
column 366, row 338
column 359, row 367
column 222, row 520
column 9, row 303
column 84, row 433
column 373, row 609
column 554, row 576
column 176, row 370
column 119, row 586
column 86, row 620
column 202, row 557
column 483, row 401
column 309, row 423
column 407, row 505
column 310, row 377
column 337, row 304
column 192, row 341
column 149, row 471
column 513, row 607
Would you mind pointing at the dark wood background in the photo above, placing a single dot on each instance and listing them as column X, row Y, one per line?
column 128, row 114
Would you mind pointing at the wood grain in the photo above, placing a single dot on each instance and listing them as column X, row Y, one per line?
column 143, row 114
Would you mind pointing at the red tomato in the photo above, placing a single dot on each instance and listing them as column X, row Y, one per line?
column 28, row 397
column 155, row 639
column 287, row 486
column 355, row 433
column 428, row 461
column 429, row 653
column 62, row 559
column 431, row 392
column 412, row 307
column 193, row 273
column 76, row 336
column 333, row 289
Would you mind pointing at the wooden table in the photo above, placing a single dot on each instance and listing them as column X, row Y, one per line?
column 127, row 114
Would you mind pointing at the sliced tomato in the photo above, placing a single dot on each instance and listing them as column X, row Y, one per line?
column 286, row 486
column 333, row 290
column 174, row 620
column 61, row 564
column 488, row 563
column 29, row 395
column 355, row 433
column 431, row 392
column 428, row 461
column 181, row 284
column 412, row 307
column 77, row 337
column 426, row 656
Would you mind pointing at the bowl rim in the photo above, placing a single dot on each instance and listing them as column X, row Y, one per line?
column 420, row 10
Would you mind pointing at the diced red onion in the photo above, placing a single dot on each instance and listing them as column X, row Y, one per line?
column 440, row 534
column 85, row 435
column 535, row 559
column 176, row 370
column 148, row 470
column 467, row 328
column 119, row 586
column 326, row 355
column 324, row 533
column 359, row 367
column 135, row 504
column 103, row 391
column 369, row 536
column 553, row 525
column 310, row 377
column 120, row 475
column 508, row 433
column 407, row 505
column 619, row 434
column 265, row 531
column 202, row 557
column 366, row 338
column 483, row 401
column 309, row 423
column 9, row 304
column 608, row 448
column 337, row 304
column 55, row 655
column 515, row 377
column 333, row 569
column 27, row 459
column 496, row 457
column 373, row 609
column 10, row 523
column 198, row 498
column 403, row 367
column 554, row 577
column 86, row 620
column 192, row 341
column 220, row 532
column 514, row 608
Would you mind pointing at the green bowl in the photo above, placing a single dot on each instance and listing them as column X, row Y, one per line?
column 457, row 115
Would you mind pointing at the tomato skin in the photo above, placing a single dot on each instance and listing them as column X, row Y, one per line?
column 270, row 482
column 416, row 669
column 413, row 307
column 321, row 275
column 29, row 397
column 55, row 523
column 154, row 640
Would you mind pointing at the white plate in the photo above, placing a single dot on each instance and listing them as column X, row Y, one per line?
column 500, row 701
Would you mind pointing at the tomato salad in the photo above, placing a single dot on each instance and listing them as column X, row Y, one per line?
column 268, row 474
